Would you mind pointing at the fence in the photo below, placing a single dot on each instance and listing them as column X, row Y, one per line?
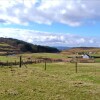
column 30, row 61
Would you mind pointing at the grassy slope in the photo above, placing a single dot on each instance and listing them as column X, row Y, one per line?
column 81, row 50
column 4, row 44
column 58, row 82
column 4, row 48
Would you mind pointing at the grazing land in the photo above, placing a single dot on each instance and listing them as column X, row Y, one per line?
column 58, row 82
column 25, row 56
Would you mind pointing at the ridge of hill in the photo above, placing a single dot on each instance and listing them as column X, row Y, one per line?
column 82, row 50
column 10, row 45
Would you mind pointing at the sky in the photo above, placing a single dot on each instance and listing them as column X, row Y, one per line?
column 70, row 23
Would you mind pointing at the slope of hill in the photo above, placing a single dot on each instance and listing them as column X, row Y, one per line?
column 9, row 45
column 81, row 50
column 7, row 49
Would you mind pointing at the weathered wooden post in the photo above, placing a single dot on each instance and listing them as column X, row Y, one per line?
column 76, row 66
column 45, row 65
column 7, row 63
column 75, row 60
column 20, row 63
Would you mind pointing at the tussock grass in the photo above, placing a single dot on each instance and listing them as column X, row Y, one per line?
column 58, row 82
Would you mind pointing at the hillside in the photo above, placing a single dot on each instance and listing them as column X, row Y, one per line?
column 81, row 50
column 10, row 45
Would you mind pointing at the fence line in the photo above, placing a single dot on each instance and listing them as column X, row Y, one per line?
column 35, row 61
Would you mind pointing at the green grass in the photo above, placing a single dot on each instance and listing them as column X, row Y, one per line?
column 97, row 54
column 9, row 58
column 58, row 82
column 4, row 44
column 97, row 60
column 32, row 56
column 47, row 55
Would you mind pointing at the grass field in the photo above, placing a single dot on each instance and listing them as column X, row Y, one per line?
column 9, row 58
column 14, row 58
column 32, row 55
column 46, row 55
column 58, row 82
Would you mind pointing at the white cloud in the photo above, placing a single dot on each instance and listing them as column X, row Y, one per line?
column 70, row 12
column 51, row 39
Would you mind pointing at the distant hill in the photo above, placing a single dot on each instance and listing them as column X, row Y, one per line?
column 10, row 45
column 62, row 48
column 82, row 50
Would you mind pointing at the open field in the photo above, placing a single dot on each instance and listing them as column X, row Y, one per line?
column 58, row 82
column 46, row 55
column 32, row 56
column 25, row 56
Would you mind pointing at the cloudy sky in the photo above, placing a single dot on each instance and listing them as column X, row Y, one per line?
column 51, row 22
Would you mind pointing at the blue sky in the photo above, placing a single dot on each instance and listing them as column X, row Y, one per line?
column 51, row 22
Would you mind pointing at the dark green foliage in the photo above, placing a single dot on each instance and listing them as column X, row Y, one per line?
column 28, row 47
column 46, row 49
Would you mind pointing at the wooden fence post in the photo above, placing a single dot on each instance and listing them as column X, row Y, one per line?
column 20, row 63
column 15, row 62
column 45, row 65
column 76, row 66
column 7, row 63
